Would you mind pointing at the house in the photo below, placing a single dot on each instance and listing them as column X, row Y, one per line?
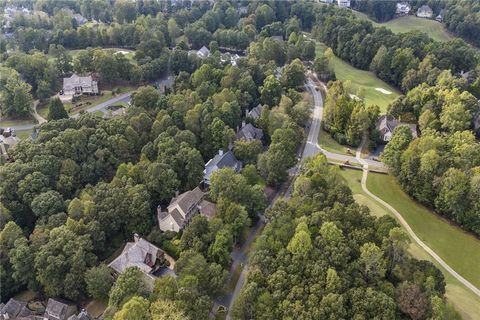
column 243, row 10
column 441, row 15
column 77, row 85
column 326, row 1
column 141, row 254
column 81, row 20
column 249, row 133
column 230, row 58
column 8, row 140
column 13, row 309
column 58, row 310
column 83, row 315
column 277, row 38
column 182, row 208
column 203, row 52
column 403, row 8
column 424, row 12
column 386, row 125
column 221, row 160
column 256, row 112
column 343, row 3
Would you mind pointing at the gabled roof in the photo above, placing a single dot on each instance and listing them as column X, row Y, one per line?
column 425, row 8
column 187, row 199
column 386, row 123
column 56, row 310
column 134, row 254
column 203, row 51
column 207, row 209
column 256, row 112
column 83, row 315
column 11, row 309
column 249, row 133
column 77, row 81
column 227, row 159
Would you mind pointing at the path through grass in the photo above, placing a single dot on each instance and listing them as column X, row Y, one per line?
column 467, row 303
column 363, row 83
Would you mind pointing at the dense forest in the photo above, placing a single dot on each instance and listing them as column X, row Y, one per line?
column 322, row 256
column 72, row 197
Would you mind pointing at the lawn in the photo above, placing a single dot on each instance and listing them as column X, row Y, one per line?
column 467, row 303
column 329, row 144
column 24, row 134
column 363, row 83
column 432, row 28
column 459, row 249
column 8, row 122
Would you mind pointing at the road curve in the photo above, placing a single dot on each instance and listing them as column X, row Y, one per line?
column 407, row 227
column 103, row 105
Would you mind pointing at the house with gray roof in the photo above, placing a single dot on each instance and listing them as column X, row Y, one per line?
column 77, row 85
column 203, row 52
column 12, row 309
column 83, row 315
column 221, row 160
column 182, row 209
column 249, row 133
column 59, row 310
column 141, row 254
column 256, row 112
column 424, row 12
column 386, row 125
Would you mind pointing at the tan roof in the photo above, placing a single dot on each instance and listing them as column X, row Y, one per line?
column 133, row 255
column 187, row 200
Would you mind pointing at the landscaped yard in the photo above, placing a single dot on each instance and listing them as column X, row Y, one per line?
column 384, row 186
column 329, row 144
column 432, row 28
column 8, row 122
column 24, row 134
column 374, row 90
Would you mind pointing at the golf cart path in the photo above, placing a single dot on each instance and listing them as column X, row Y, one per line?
column 407, row 227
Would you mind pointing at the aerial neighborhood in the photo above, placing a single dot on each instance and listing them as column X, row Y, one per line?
column 239, row 160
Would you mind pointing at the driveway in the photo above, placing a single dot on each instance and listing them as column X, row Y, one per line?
column 125, row 97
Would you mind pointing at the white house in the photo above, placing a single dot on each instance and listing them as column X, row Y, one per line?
column 203, row 52
column 403, row 8
column 77, row 85
column 424, row 12
column 343, row 3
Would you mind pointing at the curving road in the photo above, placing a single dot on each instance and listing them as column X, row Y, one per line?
column 122, row 97
column 407, row 227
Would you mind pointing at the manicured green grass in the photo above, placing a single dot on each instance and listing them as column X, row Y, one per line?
column 363, row 83
column 457, row 248
column 24, row 134
column 465, row 302
column 432, row 28
column 8, row 122
column 43, row 111
column 329, row 144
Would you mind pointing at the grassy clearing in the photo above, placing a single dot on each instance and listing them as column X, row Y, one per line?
column 363, row 83
column 467, row 303
column 432, row 28
column 126, row 52
column 459, row 249
column 24, row 134
column 329, row 144
column 8, row 122
column 81, row 104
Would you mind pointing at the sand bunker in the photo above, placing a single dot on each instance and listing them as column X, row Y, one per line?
column 383, row 91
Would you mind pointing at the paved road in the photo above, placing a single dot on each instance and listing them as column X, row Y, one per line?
column 407, row 227
column 123, row 97
column 312, row 146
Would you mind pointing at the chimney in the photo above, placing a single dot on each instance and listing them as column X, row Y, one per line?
column 159, row 209
column 136, row 237
column 220, row 152
column 176, row 193
column 243, row 123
